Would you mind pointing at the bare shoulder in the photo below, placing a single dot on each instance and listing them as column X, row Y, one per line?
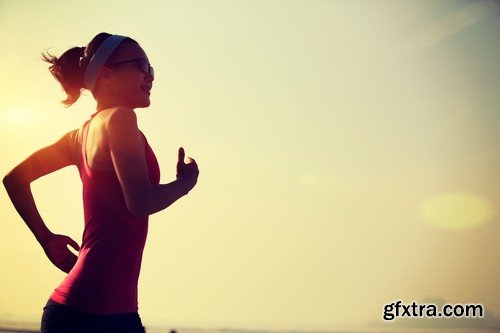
column 118, row 116
column 69, row 136
column 113, row 123
column 68, row 141
column 119, row 125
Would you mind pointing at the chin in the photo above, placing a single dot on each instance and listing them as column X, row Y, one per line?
column 143, row 104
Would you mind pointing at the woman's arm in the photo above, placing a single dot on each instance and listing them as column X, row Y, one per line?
column 17, row 183
column 128, row 157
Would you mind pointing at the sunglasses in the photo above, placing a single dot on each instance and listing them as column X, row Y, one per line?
column 144, row 65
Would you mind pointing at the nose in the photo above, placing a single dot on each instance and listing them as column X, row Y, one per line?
column 149, row 77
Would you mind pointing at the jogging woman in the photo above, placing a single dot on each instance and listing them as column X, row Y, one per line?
column 120, row 177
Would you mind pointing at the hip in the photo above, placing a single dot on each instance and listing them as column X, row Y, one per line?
column 58, row 318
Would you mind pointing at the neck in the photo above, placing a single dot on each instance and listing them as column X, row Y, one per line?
column 109, row 101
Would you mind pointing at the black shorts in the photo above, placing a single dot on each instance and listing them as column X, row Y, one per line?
column 60, row 318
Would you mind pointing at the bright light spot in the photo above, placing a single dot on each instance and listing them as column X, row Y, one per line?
column 456, row 210
column 15, row 116
column 308, row 179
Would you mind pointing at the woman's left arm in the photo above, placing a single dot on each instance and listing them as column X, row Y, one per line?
column 17, row 183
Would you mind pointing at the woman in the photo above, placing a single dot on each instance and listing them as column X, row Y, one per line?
column 120, row 177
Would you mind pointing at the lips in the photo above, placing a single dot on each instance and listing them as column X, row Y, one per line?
column 146, row 89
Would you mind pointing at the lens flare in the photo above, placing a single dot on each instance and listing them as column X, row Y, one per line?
column 456, row 210
column 15, row 116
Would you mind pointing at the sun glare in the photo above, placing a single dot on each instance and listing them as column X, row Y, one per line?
column 456, row 210
column 15, row 116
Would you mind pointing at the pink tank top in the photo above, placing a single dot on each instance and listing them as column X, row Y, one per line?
column 104, row 278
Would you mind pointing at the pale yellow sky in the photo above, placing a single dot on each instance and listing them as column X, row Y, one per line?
column 348, row 155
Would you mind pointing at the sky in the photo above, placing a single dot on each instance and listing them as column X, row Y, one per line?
column 348, row 155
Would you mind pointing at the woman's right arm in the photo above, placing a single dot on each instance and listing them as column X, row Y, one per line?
column 128, row 156
column 17, row 183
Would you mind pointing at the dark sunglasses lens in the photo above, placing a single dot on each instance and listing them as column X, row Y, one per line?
column 146, row 67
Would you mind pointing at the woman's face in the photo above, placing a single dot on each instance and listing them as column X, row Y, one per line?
column 129, row 81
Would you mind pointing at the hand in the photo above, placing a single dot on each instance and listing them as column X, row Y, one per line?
column 187, row 172
column 56, row 249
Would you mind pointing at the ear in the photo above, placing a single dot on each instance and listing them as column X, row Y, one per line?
column 104, row 74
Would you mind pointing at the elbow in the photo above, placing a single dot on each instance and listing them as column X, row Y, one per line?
column 9, row 184
column 14, row 179
column 138, row 201
column 138, row 212
column 7, row 181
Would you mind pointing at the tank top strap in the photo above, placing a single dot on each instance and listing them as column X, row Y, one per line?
column 88, row 170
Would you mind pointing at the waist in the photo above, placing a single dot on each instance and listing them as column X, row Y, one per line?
column 105, row 276
column 52, row 305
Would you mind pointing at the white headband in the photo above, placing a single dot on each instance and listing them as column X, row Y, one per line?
column 99, row 58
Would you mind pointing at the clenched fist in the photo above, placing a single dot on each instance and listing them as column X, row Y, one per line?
column 188, row 172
